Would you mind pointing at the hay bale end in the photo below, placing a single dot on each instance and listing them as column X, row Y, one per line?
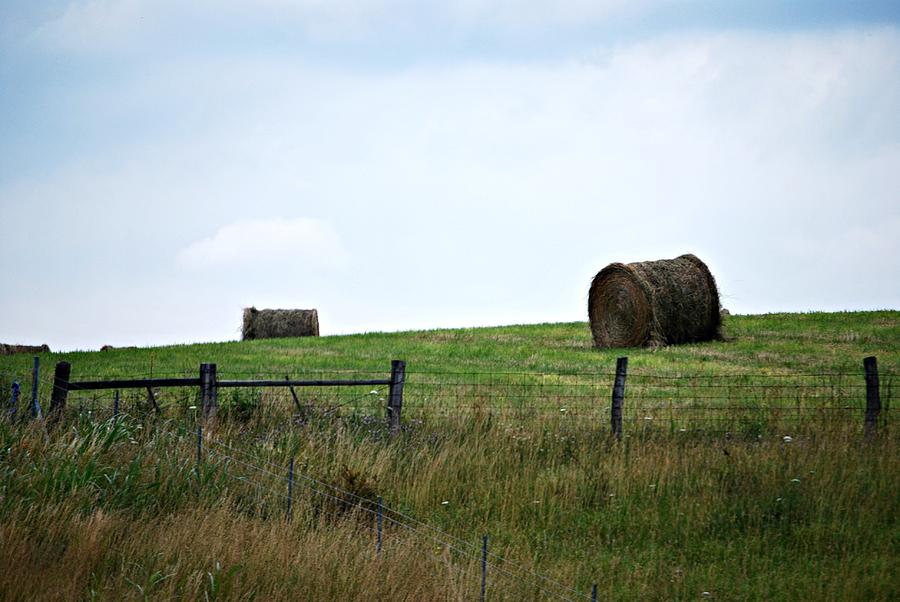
column 279, row 323
column 654, row 303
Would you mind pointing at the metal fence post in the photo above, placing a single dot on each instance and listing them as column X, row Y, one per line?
column 35, row 373
column 618, row 396
column 484, row 556
column 199, row 445
column 378, row 537
column 594, row 593
column 395, row 395
column 208, row 394
column 116, row 405
column 873, row 398
column 290, row 496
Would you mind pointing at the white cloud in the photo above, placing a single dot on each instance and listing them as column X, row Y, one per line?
column 538, row 14
column 104, row 25
column 306, row 244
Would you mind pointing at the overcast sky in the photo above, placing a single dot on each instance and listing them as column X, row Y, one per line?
column 401, row 165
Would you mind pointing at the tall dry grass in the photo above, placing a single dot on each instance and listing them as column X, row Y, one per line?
column 121, row 510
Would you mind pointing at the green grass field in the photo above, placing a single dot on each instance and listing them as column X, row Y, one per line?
column 97, row 509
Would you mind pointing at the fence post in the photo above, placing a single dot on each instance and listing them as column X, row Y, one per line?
column 395, row 395
column 594, row 593
column 116, row 406
column 199, row 445
column 208, row 400
column 378, row 538
column 484, row 542
column 873, row 399
column 618, row 396
column 290, row 496
column 35, row 373
column 15, row 400
column 60, row 390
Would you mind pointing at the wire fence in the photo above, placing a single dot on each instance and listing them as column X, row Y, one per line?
column 673, row 401
column 715, row 403
column 746, row 402
column 281, row 492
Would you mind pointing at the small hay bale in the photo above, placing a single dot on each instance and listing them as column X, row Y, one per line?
column 654, row 303
column 277, row 323
column 6, row 349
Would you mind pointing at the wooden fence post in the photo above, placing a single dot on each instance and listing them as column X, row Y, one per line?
column 873, row 399
column 208, row 394
column 60, row 390
column 618, row 396
column 395, row 394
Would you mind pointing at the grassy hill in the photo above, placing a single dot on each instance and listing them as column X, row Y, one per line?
column 834, row 342
column 111, row 510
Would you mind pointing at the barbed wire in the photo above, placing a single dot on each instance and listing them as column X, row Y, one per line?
column 315, row 485
column 362, row 500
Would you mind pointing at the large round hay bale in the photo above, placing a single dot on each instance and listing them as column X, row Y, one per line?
column 654, row 303
column 277, row 323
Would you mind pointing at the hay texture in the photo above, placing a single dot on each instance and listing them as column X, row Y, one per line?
column 277, row 323
column 6, row 349
column 654, row 303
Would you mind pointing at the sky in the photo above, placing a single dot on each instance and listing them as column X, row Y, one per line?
column 405, row 165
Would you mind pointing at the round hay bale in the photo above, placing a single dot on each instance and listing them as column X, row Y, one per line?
column 654, row 303
column 278, row 323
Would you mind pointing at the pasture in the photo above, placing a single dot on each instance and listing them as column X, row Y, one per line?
column 507, row 434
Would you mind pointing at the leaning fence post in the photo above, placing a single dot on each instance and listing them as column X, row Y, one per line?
column 60, row 390
column 294, row 395
column 618, row 396
column 395, row 394
column 484, row 556
column 15, row 401
column 35, row 373
column 873, row 399
column 208, row 400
